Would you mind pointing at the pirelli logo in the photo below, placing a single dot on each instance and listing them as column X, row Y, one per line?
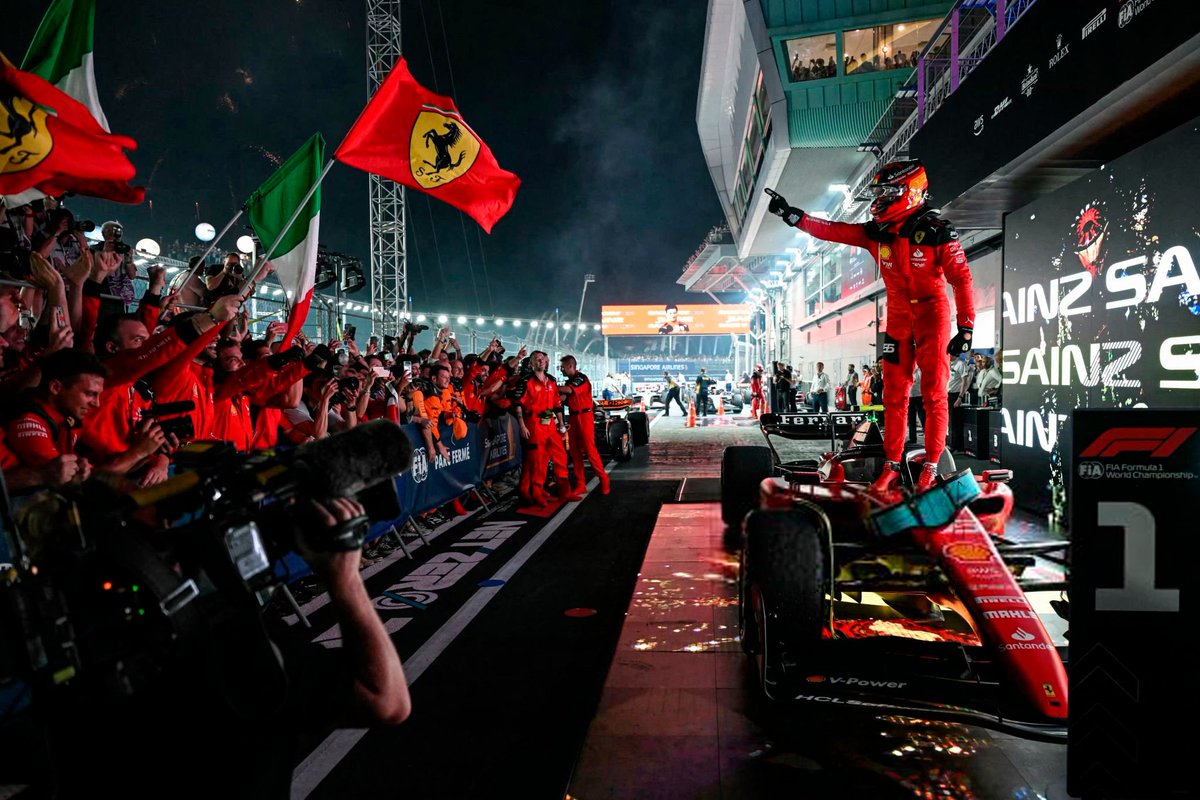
column 1158, row 442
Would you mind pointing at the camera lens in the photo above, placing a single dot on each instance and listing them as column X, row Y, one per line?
column 85, row 225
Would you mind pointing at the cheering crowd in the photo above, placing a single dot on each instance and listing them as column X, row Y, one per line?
column 89, row 387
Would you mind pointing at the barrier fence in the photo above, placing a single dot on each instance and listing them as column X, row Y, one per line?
column 490, row 449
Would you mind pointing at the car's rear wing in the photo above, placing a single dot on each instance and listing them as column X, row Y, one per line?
column 817, row 425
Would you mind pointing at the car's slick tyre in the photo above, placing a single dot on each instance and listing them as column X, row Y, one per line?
column 639, row 428
column 746, row 398
column 743, row 468
column 785, row 563
column 620, row 440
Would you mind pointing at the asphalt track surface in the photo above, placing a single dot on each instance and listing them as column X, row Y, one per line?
column 526, row 683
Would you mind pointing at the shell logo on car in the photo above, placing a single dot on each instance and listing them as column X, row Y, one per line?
column 966, row 551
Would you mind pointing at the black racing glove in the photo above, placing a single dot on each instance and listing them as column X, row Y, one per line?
column 961, row 343
column 891, row 349
column 780, row 208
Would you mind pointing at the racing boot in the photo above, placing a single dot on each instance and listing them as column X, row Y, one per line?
column 928, row 478
column 605, row 482
column 887, row 486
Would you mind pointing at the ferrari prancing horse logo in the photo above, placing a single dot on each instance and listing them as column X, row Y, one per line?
column 25, row 140
column 441, row 148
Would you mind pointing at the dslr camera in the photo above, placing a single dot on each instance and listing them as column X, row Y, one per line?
column 348, row 383
column 174, row 418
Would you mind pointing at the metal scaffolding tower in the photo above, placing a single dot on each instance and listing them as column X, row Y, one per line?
column 389, row 262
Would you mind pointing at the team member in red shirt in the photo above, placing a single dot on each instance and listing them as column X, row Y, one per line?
column 918, row 254
column 577, row 396
column 48, row 426
column 538, row 408
column 115, row 434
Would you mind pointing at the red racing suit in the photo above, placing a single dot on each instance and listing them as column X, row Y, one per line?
column 581, row 432
column 916, row 260
column 539, row 401
column 758, row 403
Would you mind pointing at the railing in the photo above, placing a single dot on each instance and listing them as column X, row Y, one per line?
column 941, row 68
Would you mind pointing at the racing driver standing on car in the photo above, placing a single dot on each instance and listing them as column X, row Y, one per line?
column 917, row 253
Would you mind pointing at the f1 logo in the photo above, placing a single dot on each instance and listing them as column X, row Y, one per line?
column 1159, row 442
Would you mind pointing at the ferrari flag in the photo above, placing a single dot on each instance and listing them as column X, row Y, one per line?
column 272, row 205
column 52, row 143
column 417, row 138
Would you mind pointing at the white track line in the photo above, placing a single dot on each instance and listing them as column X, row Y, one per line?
column 327, row 755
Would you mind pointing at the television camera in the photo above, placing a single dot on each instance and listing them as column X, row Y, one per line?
column 107, row 594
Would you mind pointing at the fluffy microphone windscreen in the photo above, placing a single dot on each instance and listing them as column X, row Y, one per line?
column 348, row 462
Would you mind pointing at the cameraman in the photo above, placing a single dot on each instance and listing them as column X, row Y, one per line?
column 191, row 726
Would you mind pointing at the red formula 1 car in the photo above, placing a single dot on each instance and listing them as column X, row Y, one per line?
column 916, row 604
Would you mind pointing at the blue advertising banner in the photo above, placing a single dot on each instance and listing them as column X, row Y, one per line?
column 434, row 482
column 487, row 450
column 644, row 371
column 501, row 445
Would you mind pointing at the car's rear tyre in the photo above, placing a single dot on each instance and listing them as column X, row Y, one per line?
column 743, row 468
column 639, row 428
column 783, row 589
column 620, row 441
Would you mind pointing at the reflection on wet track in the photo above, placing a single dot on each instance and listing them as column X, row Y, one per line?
column 682, row 715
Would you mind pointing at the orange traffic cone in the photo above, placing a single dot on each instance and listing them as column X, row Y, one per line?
column 691, row 420
column 720, row 406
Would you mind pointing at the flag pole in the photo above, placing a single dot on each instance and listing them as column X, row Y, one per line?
column 271, row 250
column 216, row 240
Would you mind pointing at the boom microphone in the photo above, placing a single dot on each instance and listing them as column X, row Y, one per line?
column 348, row 462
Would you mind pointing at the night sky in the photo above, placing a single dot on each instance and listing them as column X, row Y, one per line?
column 592, row 104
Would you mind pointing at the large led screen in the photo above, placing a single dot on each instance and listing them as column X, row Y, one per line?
column 1101, row 306
column 675, row 320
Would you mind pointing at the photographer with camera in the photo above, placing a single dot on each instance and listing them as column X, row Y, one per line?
column 314, row 417
column 225, row 277
column 120, row 280
column 63, row 241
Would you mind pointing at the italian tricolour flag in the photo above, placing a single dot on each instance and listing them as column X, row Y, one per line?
column 61, row 53
column 294, row 258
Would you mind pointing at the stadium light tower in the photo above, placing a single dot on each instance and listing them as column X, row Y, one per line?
column 588, row 278
column 389, row 262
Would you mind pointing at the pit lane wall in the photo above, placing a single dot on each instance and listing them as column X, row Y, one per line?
column 490, row 449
